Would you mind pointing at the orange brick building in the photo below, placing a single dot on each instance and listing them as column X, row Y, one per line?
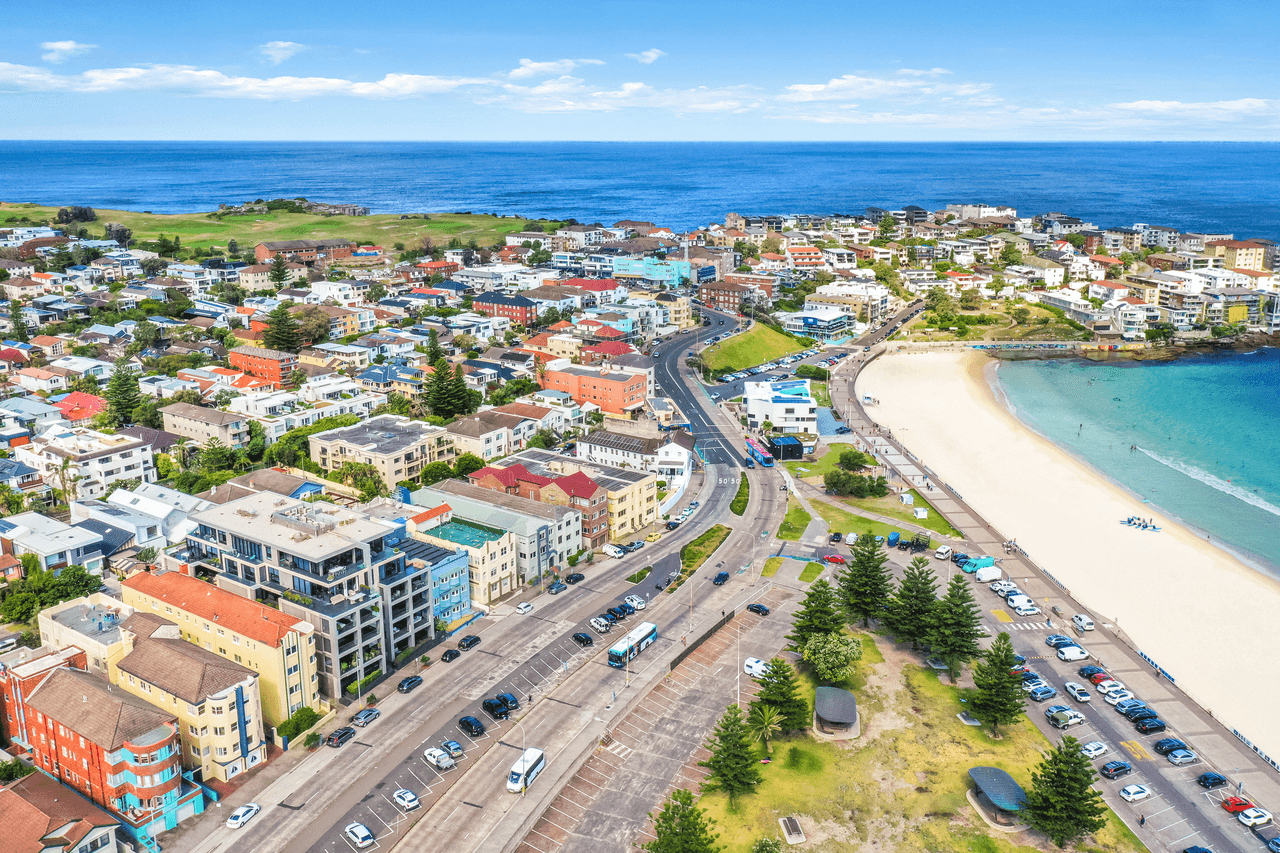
column 614, row 392
column 264, row 363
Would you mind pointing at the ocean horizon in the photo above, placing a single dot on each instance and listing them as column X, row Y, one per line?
column 1191, row 438
column 1196, row 186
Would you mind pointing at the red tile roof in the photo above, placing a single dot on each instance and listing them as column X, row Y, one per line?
column 434, row 512
column 561, row 326
column 244, row 616
column 609, row 332
column 78, row 406
column 578, row 485
column 610, row 348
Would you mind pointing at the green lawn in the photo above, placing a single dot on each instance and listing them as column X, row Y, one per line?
column 759, row 345
column 847, row 522
column 821, row 395
column 895, row 508
column 738, row 505
column 811, row 572
column 826, row 462
column 771, row 567
column 797, row 519
column 901, row 785
column 693, row 555
column 640, row 575
column 200, row 229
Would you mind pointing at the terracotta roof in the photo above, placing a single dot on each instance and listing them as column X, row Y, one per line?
column 40, row 814
column 105, row 714
column 561, row 326
column 578, row 485
column 177, row 667
column 523, row 410
column 78, row 406
column 244, row 616
column 610, row 348
column 508, row 477
column 609, row 332
column 434, row 512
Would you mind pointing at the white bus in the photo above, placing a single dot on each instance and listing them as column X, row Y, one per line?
column 526, row 769
column 631, row 645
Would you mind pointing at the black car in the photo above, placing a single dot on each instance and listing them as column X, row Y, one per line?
column 1135, row 715
column 1116, row 769
column 510, row 700
column 722, row 322
column 662, row 584
column 583, row 639
column 1166, row 745
column 957, row 557
column 494, row 708
column 1211, row 780
column 617, row 613
column 1090, row 670
column 608, row 616
column 451, row 654
column 407, row 684
column 469, row 642
column 758, row 609
column 340, row 736
column 626, row 608
column 471, row 725
column 672, row 525
column 1150, row 726
column 575, row 578
column 721, row 577
column 837, row 536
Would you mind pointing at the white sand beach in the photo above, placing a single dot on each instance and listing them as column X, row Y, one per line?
column 1206, row 617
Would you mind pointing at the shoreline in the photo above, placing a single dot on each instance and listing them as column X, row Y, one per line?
column 1191, row 605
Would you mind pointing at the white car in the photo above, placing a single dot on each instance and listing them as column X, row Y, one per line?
column 1001, row 586
column 1027, row 610
column 599, row 625
column 1077, row 692
column 438, row 758
column 1115, row 697
column 1083, row 622
column 524, row 607
column 754, row 667
column 1254, row 817
column 1072, row 653
column 1105, row 687
column 243, row 815
column 406, row 799
column 635, row 601
column 359, row 835
column 1094, row 748
column 1133, row 793
column 1028, row 686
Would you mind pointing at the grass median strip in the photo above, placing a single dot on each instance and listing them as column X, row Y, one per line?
column 771, row 567
column 693, row 555
column 739, row 503
column 811, row 572
column 796, row 520
column 640, row 575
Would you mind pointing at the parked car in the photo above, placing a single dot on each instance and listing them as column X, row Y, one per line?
column 617, row 613
column 583, row 639
column 1100, row 677
column 1057, row 641
column 1077, row 692
column 1254, row 816
column 1180, row 757
column 600, row 626
column 524, row 607
column 243, row 815
column 1083, row 622
column 555, row 589
column 340, row 736
column 406, row 799
column 1151, row 726
column 1235, row 805
column 468, row 642
column 574, row 577
column 1166, row 745
column 1053, row 709
column 1134, row 793
column 494, row 708
column 608, row 616
column 510, row 700
column 359, row 835
column 1095, row 748
column 1211, row 780
column 833, row 558
column 721, row 577
column 1044, row 693
column 452, row 747
column 1108, row 686
column 1072, row 653
column 450, row 655
column 1027, row 610
column 407, row 684
column 837, row 536
column 471, row 726
column 1089, row 671
column 366, row 716
column 1127, row 705
column 758, row 609
column 1115, row 697
column 1135, row 715
column 1116, row 769
column 754, row 667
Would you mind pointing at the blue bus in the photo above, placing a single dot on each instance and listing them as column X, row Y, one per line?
column 757, row 452
column 639, row 639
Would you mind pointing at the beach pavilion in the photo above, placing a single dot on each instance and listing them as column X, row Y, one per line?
column 999, row 796
column 835, row 711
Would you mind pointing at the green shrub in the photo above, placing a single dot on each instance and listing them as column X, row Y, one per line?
column 312, row 741
column 302, row 719
column 739, row 503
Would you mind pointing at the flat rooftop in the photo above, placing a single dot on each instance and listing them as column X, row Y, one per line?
column 311, row 531
column 466, row 533
column 385, row 434
column 94, row 622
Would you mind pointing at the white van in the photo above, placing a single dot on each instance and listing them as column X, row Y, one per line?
column 942, row 553
column 987, row 574
column 526, row 769
column 613, row 551
column 1016, row 601
column 1084, row 623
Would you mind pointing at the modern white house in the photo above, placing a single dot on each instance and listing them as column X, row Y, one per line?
column 788, row 405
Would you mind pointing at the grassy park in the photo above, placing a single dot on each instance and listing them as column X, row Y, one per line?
column 205, row 230
column 825, row 464
column 811, row 572
column 748, row 349
column 892, row 507
column 901, row 784
column 852, row 525
column 796, row 520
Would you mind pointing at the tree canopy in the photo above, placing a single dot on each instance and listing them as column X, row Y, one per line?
column 282, row 330
column 999, row 700
column 1062, row 802
column 682, row 827
column 865, row 585
column 954, row 625
column 819, row 613
column 778, row 689
column 732, row 763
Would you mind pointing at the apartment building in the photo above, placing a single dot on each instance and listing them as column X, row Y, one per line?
column 215, row 700
column 725, row 296
column 490, row 434
column 201, row 424
column 279, row 648
column 490, row 551
column 614, row 392
column 575, row 491
column 280, row 411
column 868, row 302
column 788, row 405
column 308, row 252
column 84, row 462
column 399, row 448
column 1238, row 254
column 669, row 456
column 42, row 816
column 545, row 534
column 351, row 575
column 264, row 363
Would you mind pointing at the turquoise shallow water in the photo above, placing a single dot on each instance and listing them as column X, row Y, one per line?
column 1199, row 438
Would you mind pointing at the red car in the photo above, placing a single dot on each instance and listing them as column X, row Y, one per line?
column 1235, row 805
column 1019, row 670
column 834, row 558
column 1098, row 678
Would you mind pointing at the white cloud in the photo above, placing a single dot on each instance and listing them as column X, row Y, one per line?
column 572, row 94
column 851, row 87
column 648, row 57
column 916, row 72
column 279, row 51
column 59, row 51
column 1240, row 105
column 529, row 68
column 215, row 84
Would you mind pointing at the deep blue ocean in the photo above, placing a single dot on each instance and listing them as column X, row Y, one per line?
column 1211, row 186
column 1205, row 430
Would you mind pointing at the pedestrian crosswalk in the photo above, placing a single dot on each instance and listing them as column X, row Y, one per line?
column 1023, row 626
column 619, row 749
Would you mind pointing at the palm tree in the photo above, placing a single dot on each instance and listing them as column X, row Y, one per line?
column 764, row 723
column 180, row 453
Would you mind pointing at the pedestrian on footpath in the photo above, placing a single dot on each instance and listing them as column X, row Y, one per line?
column 1142, row 821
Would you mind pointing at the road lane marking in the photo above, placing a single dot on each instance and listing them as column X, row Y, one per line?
column 1136, row 749
column 1002, row 616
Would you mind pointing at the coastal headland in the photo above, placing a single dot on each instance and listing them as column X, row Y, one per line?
column 1202, row 614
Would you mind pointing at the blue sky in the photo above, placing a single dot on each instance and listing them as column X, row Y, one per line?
column 641, row 71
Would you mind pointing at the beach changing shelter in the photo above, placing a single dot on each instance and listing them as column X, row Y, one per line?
column 1002, row 797
column 921, row 512
column 836, row 710
column 907, row 498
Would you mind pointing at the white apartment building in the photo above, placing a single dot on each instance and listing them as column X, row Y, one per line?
column 85, row 462
column 788, row 405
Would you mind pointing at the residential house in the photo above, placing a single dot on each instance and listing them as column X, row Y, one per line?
column 490, row 434
column 55, row 544
column 201, row 424
column 41, row 816
column 669, row 455
column 79, row 408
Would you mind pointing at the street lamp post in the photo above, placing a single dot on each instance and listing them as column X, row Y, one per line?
column 524, row 787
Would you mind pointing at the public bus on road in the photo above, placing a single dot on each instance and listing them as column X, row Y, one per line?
column 636, row 641
column 756, row 451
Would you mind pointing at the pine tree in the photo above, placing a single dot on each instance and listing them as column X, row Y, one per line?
column 434, row 352
column 733, row 765
column 999, row 700
column 216, row 456
column 865, row 585
column 911, row 605
column 437, row 390
column 279, row 273
column 1062, row 802
column 778, row 688
column 282, row 330
column 123, row 395
column 953, row 626
column 19, row 333
column 819, row 613
column 682, row 827
column 459, row 393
